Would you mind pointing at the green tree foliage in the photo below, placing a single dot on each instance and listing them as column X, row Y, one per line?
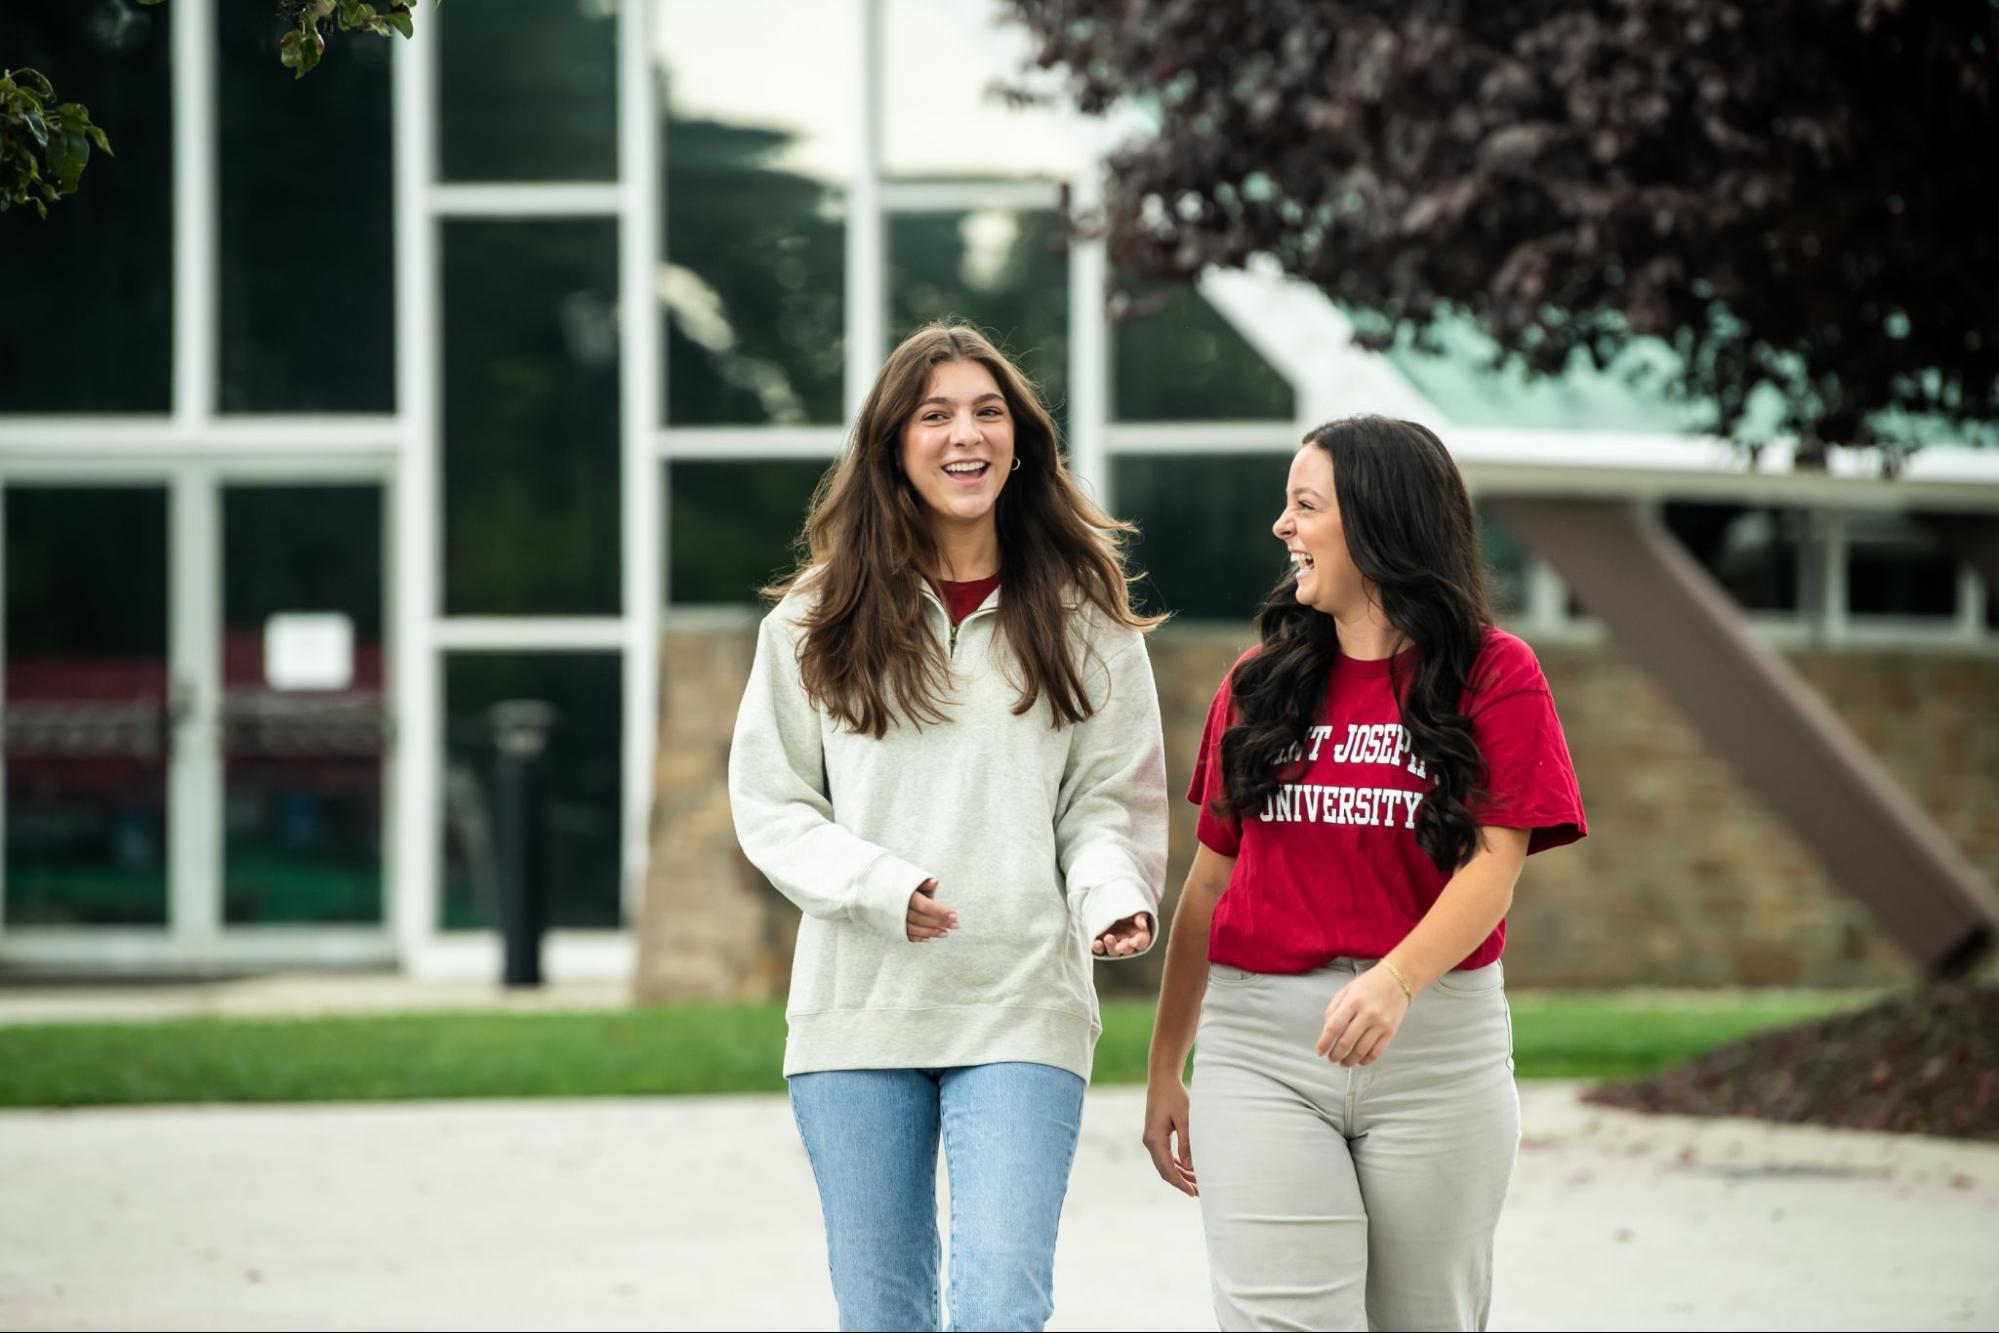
column 45, row 143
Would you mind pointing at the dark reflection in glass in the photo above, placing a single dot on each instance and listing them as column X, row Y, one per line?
column 754, row 287
column 754, row 178
column 1005, row 271
column 1752, row 551
column 1205, row 544
column 526, row 89
column 732, row 527
column 582, row 779
column 531, row 516
column 302, row 758
column 1895, row 567
column 87, row 722
column 89, row 324
column 307, row 281
column 1176, row 359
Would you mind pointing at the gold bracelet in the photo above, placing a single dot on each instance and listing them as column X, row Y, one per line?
column 1400, row 980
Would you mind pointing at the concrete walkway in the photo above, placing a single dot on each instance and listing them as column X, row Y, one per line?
column 700, row 1214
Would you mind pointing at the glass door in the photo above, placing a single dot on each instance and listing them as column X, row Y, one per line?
column 303, row 720
column 194, row 714
column 88, row 709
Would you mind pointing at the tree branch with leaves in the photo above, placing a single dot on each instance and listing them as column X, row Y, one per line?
column 45, row 143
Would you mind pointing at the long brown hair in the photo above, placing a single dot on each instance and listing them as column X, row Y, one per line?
column 1412, row 532
column 866, row 653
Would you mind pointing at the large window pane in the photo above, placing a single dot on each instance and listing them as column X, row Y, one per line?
column 87, row 723
column 531, row 418
column 732, row 527
column 1005, row 271
column 942, row 60
column 302, row 704
column 307, row 282
column 1753, row 552
column 89, row 324
column 1205, row 544
column 1895, row 567
column 581, row 778
column 756, row 164
column 1177, row 359
column 527, row 89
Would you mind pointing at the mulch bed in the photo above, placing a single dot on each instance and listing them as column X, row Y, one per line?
column 1922, row 1063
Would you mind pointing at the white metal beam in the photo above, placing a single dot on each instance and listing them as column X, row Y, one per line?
column 747, row 444
column 194, row 684
column 969, row 196
column 527, row 199
column 529, row 634
column 195, row 189
column 867, row 259
column 639, row 379
column 416, row 868
column 1089, row 349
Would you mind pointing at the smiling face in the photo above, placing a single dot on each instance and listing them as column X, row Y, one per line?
column 1310, row 529
column 957, row 446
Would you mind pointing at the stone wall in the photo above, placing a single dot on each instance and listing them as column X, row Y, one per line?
column 711, row 928
column 1686, row 879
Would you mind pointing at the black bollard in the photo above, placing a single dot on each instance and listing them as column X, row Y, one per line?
column 520, row 730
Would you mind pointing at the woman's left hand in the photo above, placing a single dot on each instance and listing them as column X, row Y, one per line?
column 1363, row 1018
column 1127, row 937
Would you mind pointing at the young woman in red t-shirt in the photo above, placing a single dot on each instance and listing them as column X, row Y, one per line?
column 1373, row 774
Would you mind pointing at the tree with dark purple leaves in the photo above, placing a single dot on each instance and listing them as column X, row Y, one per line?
column 1795, row 193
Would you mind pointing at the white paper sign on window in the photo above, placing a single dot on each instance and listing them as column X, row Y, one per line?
column 309, row 650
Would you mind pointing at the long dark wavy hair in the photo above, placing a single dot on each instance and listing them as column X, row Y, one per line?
column 1413, row 536
column 866, row 655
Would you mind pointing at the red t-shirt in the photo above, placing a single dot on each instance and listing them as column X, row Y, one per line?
column 961, row 599
column 1330, row 868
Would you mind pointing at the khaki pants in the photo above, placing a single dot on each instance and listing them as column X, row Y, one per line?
column 1358, row 1198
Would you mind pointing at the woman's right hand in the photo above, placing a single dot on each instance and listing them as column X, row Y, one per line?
column 1166, row 1136
column 928, row 919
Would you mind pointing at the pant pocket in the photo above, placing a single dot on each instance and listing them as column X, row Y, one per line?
column 1485, row 980
column 1227, row 976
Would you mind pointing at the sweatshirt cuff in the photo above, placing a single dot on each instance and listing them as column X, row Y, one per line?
column 1109, row 903
column 881, row 901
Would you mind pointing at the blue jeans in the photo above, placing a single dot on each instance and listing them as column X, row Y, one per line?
column 1009, row 1134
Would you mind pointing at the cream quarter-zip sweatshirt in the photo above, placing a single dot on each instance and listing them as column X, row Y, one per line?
column 1040, row 837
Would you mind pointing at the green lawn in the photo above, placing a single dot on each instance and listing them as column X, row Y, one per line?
column 691, row 1049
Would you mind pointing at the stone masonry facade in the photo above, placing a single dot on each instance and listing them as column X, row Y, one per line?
column 1686, row 878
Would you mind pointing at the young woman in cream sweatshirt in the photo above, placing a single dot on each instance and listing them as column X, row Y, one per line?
column 949, row 757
